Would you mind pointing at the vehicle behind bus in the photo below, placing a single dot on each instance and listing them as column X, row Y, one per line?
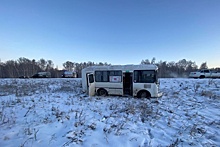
column 69, row 74
column 127, row 80
column 42, row 75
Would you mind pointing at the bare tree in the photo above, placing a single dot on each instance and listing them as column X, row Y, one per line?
column 146, row 61
column 68, row 65
column 153, row 61
column 203, row 66
column 49, row 65
column 42, row 64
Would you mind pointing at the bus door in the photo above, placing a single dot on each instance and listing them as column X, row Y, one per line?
column 127, row 83
column 91, row 84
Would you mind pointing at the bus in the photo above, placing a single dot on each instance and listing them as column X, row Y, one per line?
column 127, row 80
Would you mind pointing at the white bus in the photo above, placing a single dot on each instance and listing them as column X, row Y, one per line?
column 134, row 80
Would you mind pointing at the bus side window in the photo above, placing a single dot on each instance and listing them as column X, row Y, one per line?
column 136, row 76
column 98, row 76
column 144, row 76
column 105, row 76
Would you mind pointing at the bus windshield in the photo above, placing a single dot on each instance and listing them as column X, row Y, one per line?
column 145, row 76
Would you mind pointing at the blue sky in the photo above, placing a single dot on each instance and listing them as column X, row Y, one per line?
column 113, row 31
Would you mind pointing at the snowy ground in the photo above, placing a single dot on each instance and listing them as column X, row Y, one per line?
column 54, row 112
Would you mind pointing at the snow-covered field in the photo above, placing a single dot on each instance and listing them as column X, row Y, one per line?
column 55, row 112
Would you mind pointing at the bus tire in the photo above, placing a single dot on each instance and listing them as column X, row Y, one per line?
column 202, row 77
column 102, row 92
column 143, row 94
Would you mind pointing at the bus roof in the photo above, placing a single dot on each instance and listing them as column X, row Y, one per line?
column 123, row 67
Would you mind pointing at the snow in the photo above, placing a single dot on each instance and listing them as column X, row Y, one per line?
column 55, row 112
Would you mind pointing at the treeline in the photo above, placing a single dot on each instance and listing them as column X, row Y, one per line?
column 172, row 69
column 27, row 67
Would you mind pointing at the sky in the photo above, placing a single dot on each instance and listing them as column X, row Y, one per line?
column 112, row 31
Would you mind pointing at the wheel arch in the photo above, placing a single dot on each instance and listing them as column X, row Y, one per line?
column 143, row 90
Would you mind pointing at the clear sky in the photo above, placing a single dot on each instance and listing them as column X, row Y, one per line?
column 113, row 31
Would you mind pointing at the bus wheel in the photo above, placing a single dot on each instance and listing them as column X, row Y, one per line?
column 202, row 77
column 102, row 92
column 143, row 94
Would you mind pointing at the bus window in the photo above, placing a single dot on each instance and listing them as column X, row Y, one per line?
column 115, row 73
column 101, row 76
column 144, row 76
column 104, row 76
column 98, row 76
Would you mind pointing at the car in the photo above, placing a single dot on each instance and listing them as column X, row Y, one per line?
column 204, row 73
column 69, row 74
column 42, row 75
